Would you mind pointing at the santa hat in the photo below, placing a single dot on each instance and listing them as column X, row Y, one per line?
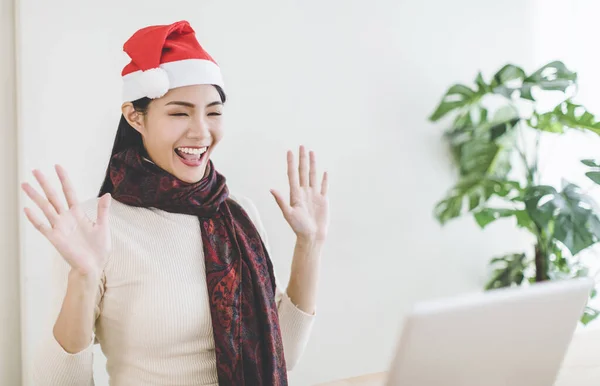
column 164, row 57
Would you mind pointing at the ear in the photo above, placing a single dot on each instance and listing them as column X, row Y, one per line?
column 134, row 118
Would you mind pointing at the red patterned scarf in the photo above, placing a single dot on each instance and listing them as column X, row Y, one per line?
column 239, row 272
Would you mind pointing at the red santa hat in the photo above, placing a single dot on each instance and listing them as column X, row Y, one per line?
column 164, row 57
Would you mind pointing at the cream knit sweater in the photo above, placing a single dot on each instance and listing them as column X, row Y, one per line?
column 152, row 316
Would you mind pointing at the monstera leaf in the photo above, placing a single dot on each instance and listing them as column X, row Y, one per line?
column 566, row 115
column 589, row 315
column 511, row 79
column 457, row 96
column 553, row 76
column 567, row 216
column 486, row 216
column 472, row 192
column 508, row 270
column 485, row 148
column 508, row 80
column 484, row 158
column 594, row 174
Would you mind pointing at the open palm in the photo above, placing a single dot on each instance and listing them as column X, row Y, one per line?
column 84, row 244
column 307, row 211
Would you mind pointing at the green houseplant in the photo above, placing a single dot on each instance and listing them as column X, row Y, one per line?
column 496, row 153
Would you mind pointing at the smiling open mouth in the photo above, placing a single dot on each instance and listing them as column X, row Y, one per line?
column 191, row 156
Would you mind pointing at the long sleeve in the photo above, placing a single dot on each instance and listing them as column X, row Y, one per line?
column 53, row 366
column 296, row 325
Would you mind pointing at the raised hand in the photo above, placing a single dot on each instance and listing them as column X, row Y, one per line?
column 84, row 244
column 307, row 211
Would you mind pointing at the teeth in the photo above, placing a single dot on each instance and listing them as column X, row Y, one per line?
column 188, row 150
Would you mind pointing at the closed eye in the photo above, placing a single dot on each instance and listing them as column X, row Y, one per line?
column 213, row 114
column 179, row 115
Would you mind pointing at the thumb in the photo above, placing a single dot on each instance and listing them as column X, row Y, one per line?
column 103, row 209
column 280, row 201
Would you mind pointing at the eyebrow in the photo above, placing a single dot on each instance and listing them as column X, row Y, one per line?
column 191, row 105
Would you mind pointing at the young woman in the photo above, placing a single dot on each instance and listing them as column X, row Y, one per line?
column 166, row 270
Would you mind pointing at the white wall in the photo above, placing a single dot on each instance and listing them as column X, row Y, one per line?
column 354, row 80
column 10, row 321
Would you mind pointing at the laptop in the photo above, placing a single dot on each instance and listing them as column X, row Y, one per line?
column 515, row 336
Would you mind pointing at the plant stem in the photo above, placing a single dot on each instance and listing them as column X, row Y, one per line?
column 519, row 147
column 541, row 260
column 536, row 158
column 541, row 249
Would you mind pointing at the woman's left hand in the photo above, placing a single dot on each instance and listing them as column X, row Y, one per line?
column 307, row 211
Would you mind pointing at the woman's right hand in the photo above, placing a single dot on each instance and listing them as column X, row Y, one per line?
column 84, row 244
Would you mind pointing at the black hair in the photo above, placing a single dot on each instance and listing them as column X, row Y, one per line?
column 127, row 137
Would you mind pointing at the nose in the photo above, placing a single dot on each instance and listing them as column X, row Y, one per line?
column 199, row 129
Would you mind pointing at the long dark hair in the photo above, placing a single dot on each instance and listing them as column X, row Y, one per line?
column 127, row 137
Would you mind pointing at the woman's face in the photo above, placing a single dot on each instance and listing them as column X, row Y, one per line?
column 181, row 129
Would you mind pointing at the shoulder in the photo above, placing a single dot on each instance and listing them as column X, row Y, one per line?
column 246, row 203
column 249, row 207
column 117, row 209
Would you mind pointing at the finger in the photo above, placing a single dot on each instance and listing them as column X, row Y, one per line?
column 41, row 202
column 312, row 175
column 325, row 184
column 292, row 172
column 67, row 187
column 103, row 209
column 280, row 201
column 37, row 223
column 303, row 168
column 49, row 191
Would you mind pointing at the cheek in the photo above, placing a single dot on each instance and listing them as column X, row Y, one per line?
column 217, row 132
column 163, row 136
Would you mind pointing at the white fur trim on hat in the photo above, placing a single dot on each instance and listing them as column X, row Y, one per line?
column 156, row 82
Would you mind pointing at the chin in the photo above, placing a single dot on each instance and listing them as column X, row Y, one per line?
column 188, row 174
column 191, row 177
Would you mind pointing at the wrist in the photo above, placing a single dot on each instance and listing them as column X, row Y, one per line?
column 309, row 240
column 307, row 250
column 87, row 282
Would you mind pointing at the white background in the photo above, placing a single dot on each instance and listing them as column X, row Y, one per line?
column 353, row 80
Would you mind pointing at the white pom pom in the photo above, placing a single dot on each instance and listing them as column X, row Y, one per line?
column 155, row 82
